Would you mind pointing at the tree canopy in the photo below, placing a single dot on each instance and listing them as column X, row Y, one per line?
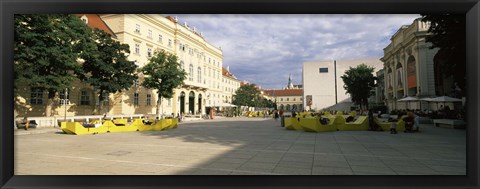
column 359, row 82
column 163, row 73
column 109, row 71
column 47, row 48
column 247, row 95
column 449, row 35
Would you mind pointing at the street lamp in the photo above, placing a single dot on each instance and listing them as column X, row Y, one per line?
column 65, row 104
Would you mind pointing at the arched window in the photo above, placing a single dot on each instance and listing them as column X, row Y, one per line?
column 182, row 65
column 199, row 74
column 190, row 72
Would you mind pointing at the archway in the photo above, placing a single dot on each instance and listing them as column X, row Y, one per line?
column 281, row 107
column 288, row 107
column 191, row 102
column 294, row 107
column 411, row 76
column 182, row 102
column 200, row 103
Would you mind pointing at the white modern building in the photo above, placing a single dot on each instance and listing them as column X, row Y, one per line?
column 319, row 81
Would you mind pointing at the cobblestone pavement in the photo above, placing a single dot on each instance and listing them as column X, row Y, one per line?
column 241, row 146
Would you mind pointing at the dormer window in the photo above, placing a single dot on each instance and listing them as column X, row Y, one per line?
column 84, row 18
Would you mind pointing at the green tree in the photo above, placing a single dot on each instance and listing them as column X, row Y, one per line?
column 109, row 71
column 449, row 35
column 247, row 95
column 359, row 82
column 163, row 73
column 47, row 50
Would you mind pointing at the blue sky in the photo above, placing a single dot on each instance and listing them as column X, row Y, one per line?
column 266, row 49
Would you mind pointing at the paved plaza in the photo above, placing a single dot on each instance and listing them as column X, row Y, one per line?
column 241, row 146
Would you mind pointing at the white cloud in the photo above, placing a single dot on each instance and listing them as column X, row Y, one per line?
column 265, row 49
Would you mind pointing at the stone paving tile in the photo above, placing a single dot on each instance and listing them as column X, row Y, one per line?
column 231, row 160
column 330, row 163
column 265, row 159
column 449, row 169
column 221, row 165
column 413, row 169
column 293, row 171
column 257, row 165
column 331, row 171
column 210, row 172
column 294, row 164
column 370, row 169
column 369, row 163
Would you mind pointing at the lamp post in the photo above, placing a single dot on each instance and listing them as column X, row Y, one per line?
column 65, row 104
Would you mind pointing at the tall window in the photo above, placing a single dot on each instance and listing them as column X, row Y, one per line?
column 149, row 52
column 84, row 98
column 169, row 102
column 36, row 96
column 160, row 38
column 199, row 74
column 135, row 99
column 149, row 99
column 137, row 48
column 150, row 34
column 169, row 42
column 190, row 70
column 182, row 65
column 288, row 99
column 209, row 72
column 64, row 99
column 137, row 28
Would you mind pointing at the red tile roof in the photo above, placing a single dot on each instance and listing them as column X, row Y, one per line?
column 284, row 92
column 94, row 21
column 225, row 72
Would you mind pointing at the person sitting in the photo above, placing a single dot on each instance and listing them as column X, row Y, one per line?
column 324, row 121
column 409, row 122
column 349, row 119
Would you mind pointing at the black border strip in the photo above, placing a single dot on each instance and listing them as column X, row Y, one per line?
column 9, row 7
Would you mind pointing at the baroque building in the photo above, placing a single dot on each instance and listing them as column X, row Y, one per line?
column 204, row 86
column 409, row 66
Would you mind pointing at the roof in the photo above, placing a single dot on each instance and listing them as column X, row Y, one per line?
column 226, row 73
column 94, row 21
column 284, row 92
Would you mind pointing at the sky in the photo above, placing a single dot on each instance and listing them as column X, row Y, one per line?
column 265, row 49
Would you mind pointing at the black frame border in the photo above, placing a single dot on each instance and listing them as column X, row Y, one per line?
column 9, row 7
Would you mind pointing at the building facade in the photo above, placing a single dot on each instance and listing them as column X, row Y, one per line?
column 145, row 33
column 230, row 85
column 409, row 65
column 287, row 99
column 322, row 87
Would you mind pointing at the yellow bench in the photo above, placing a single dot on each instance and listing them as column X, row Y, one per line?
column 292, row 123
column 360, row 124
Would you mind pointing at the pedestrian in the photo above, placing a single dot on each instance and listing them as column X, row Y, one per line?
column 370, row 120
column 26, row 122
column 416, row 121
column 275, row 115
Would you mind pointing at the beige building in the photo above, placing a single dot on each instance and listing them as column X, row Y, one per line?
column 145, row 33
column 319, row 81
column 289, row 98
column 409, row 66
column 230, row 84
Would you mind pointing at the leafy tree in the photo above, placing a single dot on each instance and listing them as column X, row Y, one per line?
column 244, row 95
column 110, row 71
column 164, row 74
column 359, row 82
column 47, row 49
column 449, row 35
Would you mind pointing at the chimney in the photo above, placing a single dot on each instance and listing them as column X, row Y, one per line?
column 228, row 68
column 186, row 24
column 176, row 19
